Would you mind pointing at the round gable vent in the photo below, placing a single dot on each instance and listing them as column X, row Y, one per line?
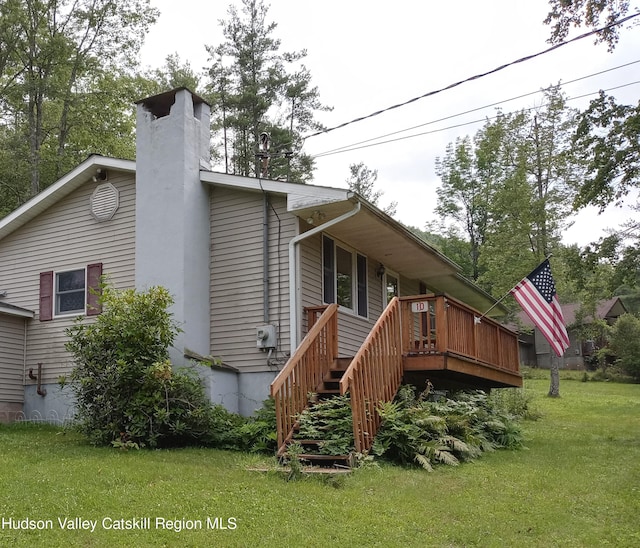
column 104, row 202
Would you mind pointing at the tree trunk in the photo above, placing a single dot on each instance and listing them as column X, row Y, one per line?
column 554, row 387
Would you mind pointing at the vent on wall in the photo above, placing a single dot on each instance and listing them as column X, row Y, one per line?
column 104, row 202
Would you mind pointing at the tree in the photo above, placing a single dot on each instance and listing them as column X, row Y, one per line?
column 593, row 14
column 531, row 201
column 255, row 90
column 362, row 181
column 508, row 190
column 448, row 242
column 625, row 344
column 58, row 59
column 607, row 139
column 463, row 196
column 174, row 74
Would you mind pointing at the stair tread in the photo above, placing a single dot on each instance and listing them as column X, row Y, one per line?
column 311, row 456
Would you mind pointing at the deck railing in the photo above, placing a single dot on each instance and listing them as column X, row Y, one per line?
column 440, row 324
column 374, row 375
column 304, row 371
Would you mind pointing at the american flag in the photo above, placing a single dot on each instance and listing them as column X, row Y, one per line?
column 536, row 294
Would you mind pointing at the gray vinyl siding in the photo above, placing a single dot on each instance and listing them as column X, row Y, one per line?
column 237, row 287
column 12, row 340
column 66, row 237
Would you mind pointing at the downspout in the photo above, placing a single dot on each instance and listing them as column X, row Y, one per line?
column 293, row 271
column 265, row 257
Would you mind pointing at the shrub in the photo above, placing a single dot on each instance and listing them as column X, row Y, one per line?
column 258, row 433
column 625, row 344
column 515, row 402
column 127, row 393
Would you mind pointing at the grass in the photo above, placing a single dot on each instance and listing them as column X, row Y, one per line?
column 576, row 484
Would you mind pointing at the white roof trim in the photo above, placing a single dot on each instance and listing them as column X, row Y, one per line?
column 61, row 188
column 298, row 194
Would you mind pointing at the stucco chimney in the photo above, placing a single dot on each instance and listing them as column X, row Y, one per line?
column 172, row 210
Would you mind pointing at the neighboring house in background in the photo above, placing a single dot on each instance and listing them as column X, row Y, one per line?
column 242, row 257
column 535, row 350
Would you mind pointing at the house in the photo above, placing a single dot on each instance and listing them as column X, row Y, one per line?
column 535, row 350
column 251, row 263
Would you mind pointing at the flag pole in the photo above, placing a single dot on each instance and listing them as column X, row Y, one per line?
column 478, row 319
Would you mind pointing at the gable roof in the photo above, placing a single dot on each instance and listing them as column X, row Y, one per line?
column 61, row 188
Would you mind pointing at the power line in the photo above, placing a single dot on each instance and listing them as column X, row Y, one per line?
column 475, row 77
column 338, row 149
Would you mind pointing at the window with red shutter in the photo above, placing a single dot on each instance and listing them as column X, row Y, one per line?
column 71, row 292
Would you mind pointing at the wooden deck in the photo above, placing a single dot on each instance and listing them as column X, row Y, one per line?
column 445, row 339
column 432, row 337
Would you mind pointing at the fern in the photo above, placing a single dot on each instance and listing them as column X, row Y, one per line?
column 424, row 461
column 330, row 422
column 447, row 431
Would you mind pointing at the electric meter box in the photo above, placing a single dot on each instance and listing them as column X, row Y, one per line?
column 266, row 336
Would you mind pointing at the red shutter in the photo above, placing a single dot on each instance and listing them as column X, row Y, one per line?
column 46, row 296
column 94, row 291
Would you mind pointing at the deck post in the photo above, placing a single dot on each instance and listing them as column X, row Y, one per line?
column 442, row 326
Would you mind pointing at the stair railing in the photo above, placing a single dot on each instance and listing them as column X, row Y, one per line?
column 374, row 375
column 303, row 372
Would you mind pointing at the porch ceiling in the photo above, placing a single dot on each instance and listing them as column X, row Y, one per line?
column 388, row 242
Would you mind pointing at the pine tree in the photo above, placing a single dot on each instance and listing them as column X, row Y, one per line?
column 257, row 90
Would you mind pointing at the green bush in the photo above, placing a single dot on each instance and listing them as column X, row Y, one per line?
column 625, row 344
column 515, row 402
column 258, row 434
column 127, row 393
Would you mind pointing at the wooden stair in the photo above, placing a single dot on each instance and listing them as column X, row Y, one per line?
column 328, row 388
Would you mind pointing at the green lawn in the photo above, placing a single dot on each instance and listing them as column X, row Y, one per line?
column 577, row 483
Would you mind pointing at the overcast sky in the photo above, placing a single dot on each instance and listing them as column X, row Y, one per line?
column 368, row 55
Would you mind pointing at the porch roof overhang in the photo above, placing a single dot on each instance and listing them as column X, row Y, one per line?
column 370, row 231
column 391, row 244
column 12, row 310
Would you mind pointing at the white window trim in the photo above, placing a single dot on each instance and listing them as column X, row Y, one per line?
column 72, row 314
column 354, row 279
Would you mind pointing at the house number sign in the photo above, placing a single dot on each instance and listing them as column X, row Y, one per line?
column 421, row 306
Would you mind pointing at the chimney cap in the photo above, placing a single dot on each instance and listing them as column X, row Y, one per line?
column 160, row 105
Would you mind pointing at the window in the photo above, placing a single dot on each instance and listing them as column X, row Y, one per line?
column 344, row 277
column 70, row 292
column 344, row 274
